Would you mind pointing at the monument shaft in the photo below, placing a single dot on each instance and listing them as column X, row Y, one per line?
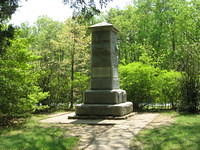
column 104, row 61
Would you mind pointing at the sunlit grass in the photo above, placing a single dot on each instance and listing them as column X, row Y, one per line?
column 184, row 134
column 35, row 136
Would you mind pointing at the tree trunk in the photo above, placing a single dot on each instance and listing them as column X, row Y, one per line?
column 72, row 73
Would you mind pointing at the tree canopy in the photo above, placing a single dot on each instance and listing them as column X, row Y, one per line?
column 86, row 8
column 7, row 8
column 45, row 66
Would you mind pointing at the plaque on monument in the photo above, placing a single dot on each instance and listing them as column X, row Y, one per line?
column 104, row 98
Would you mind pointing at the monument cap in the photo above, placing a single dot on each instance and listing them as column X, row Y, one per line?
column 103, row 25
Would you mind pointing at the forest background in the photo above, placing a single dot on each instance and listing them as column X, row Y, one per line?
column 46, row 66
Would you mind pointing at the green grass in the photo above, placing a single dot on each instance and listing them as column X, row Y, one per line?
column 35, row 136
column 184, row 134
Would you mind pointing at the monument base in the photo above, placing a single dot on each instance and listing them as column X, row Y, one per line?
column 102, row 117
column 115, row 96
column 102, row 111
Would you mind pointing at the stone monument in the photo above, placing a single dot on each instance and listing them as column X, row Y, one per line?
column 105, row 99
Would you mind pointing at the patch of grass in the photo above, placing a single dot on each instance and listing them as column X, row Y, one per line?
column 35, row 136
column 184, row 134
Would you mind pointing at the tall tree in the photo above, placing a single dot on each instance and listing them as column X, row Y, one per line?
column 42, row 35
column 7, row 8
column 74, row 41
column 165, row 32
column 64, row 51
column 19, row 91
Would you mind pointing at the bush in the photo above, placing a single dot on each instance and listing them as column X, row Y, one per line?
column 19, row 93
column 138, row 80
column 146, row 84
column 169, row 84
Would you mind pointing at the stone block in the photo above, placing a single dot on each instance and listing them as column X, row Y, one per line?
column 101, row 51
column 101, row 72
column 97, row 45
column 104, row 83
column 103, row 61
column 105, row 96
column 99, row 36
column 104, row 109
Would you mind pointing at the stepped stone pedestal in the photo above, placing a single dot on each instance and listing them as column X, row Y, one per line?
column 105, row 99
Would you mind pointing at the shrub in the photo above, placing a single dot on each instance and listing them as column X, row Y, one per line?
column 138, row 80
column 169, row 84
column 146, row 84
column 19, row 92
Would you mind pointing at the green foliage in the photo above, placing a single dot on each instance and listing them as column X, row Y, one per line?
column 164, row 34
column 7, row 8
column 74, row 40
column 80, row 84
column 86, row 8
column 19, row 92
column 64, row 59
column 146, row 84
column 183, row 134
column 138, row 79
column 161, row 35
column 160, row 27
column 169, row 85
column 191, row 85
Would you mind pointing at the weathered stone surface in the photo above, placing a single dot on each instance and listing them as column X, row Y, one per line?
column 101, row 72
column 104, row 109
column 103, row 26
column 98, row 61
column 104, row 58
column 101, row 120
column 105, row 96
column 104, row 83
